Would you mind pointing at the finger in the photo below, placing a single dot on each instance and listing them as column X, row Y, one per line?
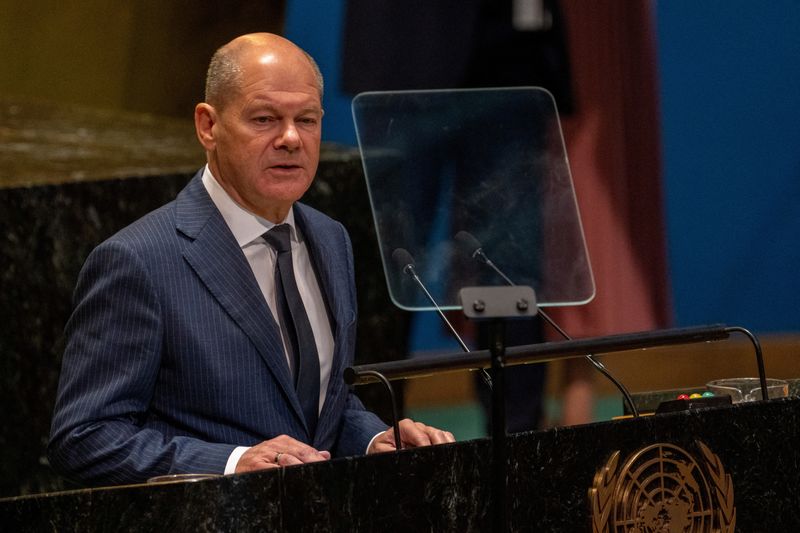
column 382, row 447
column 251, row 461
column 287, row 459
column 307, row 454
column 255, row 467
column 383, row 443
column 439, row 436
column 299, row 450
column 413, row 433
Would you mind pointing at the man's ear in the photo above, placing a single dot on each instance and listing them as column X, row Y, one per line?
column 205, row 116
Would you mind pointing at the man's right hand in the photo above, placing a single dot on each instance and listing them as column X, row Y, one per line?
column 280, row 451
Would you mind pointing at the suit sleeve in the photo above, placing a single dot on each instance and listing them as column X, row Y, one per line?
column 109, row 370
column 358, row 428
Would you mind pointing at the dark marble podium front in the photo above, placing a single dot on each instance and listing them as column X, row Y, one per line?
column 447, row 488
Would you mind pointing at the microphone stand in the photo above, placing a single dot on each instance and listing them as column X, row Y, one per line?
column 405, row 262
column 481, row 256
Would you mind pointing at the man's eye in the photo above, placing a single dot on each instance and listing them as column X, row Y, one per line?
column 264, row 119
column 308, row 120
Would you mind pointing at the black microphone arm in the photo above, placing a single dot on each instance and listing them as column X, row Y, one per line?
column 473, row 248
column 405, row 262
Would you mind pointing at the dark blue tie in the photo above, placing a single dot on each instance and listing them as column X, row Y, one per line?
column 296, row 327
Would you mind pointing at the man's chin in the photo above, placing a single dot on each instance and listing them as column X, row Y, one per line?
column 287, row 190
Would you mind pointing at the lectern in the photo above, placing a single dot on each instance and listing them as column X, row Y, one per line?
column 732, row 468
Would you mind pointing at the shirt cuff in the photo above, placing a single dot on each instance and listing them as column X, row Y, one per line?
column 233, row 459
column 372, row 439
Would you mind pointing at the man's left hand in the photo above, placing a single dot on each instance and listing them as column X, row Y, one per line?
column 412, row 434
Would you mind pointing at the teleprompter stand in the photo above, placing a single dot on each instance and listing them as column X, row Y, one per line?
column 496, row 305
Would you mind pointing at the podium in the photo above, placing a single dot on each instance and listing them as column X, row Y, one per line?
column 551, row 478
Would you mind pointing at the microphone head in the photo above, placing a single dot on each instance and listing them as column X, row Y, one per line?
column 467, row 242
column 402, row 259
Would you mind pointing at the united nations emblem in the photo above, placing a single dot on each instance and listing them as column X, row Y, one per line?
column 662, row 489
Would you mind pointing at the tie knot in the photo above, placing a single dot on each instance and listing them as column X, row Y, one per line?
column 278, row 238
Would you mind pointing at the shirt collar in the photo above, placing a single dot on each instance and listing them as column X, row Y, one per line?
column 245, row 226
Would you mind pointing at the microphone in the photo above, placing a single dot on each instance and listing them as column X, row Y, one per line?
column 473, row 248
column 405, row 262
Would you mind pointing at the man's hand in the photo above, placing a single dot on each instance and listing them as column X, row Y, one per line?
column 280, row 451
column 411, row 434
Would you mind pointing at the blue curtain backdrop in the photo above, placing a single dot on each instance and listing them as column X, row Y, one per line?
column 317, row 26
column 730, row 103
column 730, row 100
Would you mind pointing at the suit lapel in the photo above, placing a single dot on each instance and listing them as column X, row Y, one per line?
column 219, row 262
column 319, row 249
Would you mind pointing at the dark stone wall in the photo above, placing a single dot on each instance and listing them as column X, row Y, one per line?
column 46, row 234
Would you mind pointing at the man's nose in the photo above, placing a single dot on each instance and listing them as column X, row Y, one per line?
column 289, row 138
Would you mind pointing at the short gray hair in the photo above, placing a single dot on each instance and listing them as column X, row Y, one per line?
column 224, row 73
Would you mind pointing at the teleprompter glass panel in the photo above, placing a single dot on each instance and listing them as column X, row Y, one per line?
column 451, row 171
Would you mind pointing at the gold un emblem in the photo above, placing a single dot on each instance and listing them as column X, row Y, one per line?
column 662, row 489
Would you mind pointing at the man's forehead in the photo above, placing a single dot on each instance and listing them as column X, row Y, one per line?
column 287, row 72
column 299, row 102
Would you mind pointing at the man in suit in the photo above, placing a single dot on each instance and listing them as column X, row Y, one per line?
column 186, row 352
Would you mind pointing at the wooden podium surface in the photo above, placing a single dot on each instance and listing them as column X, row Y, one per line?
column 717, row 469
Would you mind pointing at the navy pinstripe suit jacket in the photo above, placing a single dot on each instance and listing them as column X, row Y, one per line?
column 173, row 357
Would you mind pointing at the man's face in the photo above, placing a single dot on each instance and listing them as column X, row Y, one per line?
column 264, row 146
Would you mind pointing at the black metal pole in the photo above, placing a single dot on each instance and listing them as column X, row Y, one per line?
column 762, row 374
column 533, row 353
column 499, row 450
column 395, row 422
